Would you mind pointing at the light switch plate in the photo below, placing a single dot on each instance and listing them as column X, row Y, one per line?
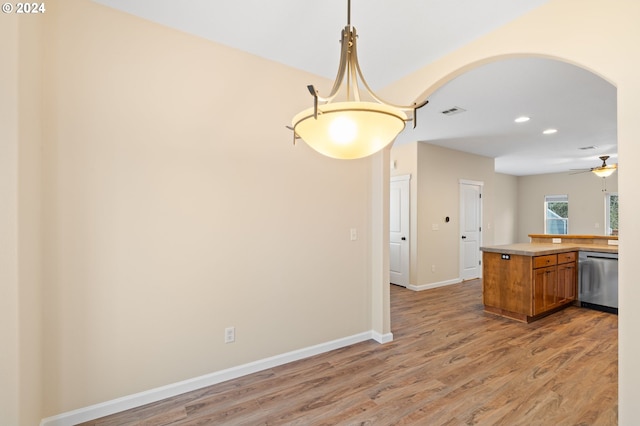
column 612, row 242
column 556, row 240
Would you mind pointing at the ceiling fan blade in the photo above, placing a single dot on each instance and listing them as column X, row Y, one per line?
column 603, row 167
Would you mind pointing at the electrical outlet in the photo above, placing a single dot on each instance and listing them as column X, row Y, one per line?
column 433, row 268
column 229, row 334
column 353, row 233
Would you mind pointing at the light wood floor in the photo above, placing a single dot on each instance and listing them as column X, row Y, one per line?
column 449, row 364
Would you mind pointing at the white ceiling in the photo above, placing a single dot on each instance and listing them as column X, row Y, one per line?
column 579, row 104
column 410, row 34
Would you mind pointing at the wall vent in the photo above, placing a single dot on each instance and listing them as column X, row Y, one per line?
column 452, row 111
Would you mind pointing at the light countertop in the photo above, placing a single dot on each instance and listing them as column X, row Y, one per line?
column 542, row 249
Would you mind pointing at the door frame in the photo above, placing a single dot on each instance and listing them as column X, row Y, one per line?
column 480, row 184
column 406, row 258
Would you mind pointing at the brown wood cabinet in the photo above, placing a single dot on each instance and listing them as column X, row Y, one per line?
column 567, row 277
column 528, row 287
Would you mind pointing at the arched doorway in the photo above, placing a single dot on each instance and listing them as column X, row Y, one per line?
column 474, row 113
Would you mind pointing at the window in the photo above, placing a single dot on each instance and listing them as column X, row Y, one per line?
column 556, row 214
column 611, row 212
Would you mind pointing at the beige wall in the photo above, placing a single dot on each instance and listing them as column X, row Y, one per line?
column 405, row 157
column 9, row 284
column 436, row 174
column 176, row 206
column 20, row 219
column 512, row 205
column 586, row 201
column 167, row 218
column 506, row 214
column 440, row 171
column 600, row 36
column 30, row 220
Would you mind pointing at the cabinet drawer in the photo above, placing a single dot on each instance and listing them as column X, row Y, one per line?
column 567, row 257
column 543, row 261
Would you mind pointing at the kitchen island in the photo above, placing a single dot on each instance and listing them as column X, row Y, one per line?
column 528, row 281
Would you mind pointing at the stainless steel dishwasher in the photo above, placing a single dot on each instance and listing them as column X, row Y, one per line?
column 598, row 281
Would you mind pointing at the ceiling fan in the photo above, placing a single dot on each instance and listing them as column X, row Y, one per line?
column 603, row 171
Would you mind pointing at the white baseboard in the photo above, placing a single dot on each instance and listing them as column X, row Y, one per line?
column 382, row 338
column 153, row 395
column 434, row 285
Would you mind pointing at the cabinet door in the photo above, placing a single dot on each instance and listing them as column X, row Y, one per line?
column 545, row 289
column 567, row 282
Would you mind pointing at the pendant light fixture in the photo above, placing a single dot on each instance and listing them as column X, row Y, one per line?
column 352, row 128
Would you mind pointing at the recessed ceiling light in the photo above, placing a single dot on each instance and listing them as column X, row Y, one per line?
column 550, row 131
column 522, row 119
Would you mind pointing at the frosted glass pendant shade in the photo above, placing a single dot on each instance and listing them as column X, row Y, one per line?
column 353, row 128
column 349, row 130
column 605, row 171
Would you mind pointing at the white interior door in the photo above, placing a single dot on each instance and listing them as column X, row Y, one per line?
column 399, row 230
column 470, row 229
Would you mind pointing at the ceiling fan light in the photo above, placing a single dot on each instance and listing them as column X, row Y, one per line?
column 604, row 172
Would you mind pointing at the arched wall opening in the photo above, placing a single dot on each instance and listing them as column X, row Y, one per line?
column 452, row 74
column 494, row 92
column 447, row 73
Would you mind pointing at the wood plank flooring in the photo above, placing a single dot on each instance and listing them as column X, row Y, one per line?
column 450, row 363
